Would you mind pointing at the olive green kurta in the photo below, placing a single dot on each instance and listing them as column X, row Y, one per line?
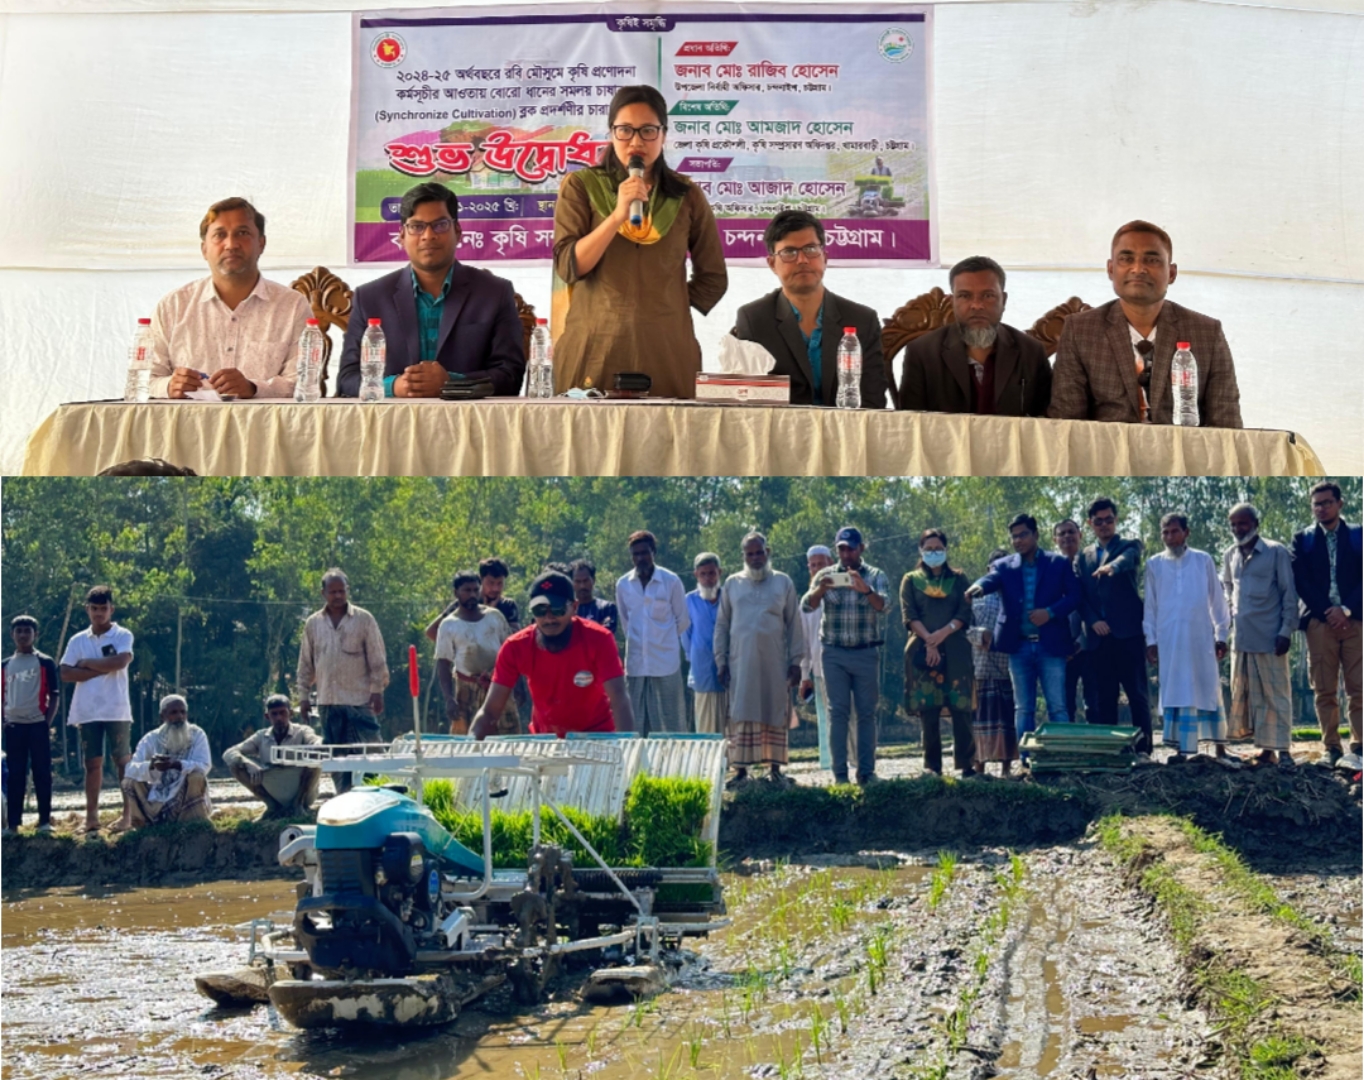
column 631, row 312
column 935, row 601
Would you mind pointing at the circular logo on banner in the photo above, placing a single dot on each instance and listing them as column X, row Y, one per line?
column 895, row 45
column 388, row 51
column 583, row 678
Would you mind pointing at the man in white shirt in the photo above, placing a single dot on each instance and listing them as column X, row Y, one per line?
column 167, row 780
column 1185, row 619
column 653, row 615
column 466, row 652
column 233, row 332
column 96, row 660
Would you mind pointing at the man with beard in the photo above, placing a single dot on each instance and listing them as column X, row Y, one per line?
column 653, row 614
column 1185, row 621
column 233, row 331
column 759, row 644
column 854, row 597
column 576, row 681
column 801, row 323
column 167, row 778
column 286, row 790
column 1257, row 576
column 466, row 650
column 698, row 642
column 1113, row 362
column 977, row 363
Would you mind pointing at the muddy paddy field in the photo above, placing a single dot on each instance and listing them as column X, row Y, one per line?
column 923, row 928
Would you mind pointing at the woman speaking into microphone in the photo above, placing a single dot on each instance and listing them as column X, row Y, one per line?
column 625, row 281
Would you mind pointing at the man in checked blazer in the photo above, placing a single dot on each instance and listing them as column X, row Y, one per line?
column 1113, row 363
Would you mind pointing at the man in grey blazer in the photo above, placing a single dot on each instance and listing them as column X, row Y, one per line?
column 976, row 364
column 1113, row 362
column 1111, row 607
column 801, row 323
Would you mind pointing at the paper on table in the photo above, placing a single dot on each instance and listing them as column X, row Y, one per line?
column 203, row 395
column 744, row 357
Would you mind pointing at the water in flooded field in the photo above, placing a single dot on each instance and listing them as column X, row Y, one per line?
column 832, row 971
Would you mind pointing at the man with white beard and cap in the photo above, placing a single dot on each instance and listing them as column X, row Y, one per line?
column 167, row 778
column 759, row 645
column 709, row 698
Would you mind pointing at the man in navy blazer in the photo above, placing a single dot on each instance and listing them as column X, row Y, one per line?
column 1111, row 607
column 1039, row 591
column 1329, row 576
column 438, row 315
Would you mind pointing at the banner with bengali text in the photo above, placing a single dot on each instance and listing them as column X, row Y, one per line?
column 769, row 108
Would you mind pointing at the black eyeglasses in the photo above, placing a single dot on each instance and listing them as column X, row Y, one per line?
column 439, row 227
column 624, row 132
column 1145, row 348
column 556, row 611
column 810, row 251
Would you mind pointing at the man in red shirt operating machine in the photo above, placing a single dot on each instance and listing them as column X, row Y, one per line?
column 572, row 666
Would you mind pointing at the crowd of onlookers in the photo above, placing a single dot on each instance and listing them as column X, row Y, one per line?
column 1076, row 624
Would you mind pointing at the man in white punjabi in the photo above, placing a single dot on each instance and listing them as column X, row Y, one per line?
column 1257, row 576
column 286, row 790
column 466, row 652
column 167, row 778
column 759, row 643
column 709, row 698
column 342, row 652
column 653, row 617
column 1185, row 620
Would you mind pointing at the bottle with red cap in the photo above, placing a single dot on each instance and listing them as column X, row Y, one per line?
column 308, row 375
column 849, row 370
column 373, row 353
column 1184, row 386
column 138, row 386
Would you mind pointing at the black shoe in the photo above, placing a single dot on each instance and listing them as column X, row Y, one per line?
column 840, row 779
column 1357, row 748
column 1335, row 753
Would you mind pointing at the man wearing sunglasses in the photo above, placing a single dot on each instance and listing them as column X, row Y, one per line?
column 801, row 323
column 576, row 681
column 1113, row 362
column 439, row 316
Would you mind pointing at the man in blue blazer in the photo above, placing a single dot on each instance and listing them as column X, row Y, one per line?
column 438, row 315
column 1111, row 607
column 1039, row 591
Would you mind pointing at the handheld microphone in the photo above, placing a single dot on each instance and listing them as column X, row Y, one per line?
column 636, row 168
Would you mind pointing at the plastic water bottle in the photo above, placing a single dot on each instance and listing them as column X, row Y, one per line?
column 373, row 352
column 540, row 376
column 1184, row 386
column 307, row 388
column 139, row 383
column 849, row 370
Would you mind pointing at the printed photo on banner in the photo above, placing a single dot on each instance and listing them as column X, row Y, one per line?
column 769, row 109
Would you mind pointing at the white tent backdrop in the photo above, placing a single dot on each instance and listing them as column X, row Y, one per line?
column 1235, row 126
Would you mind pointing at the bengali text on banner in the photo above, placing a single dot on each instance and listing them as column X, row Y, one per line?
column 769, row 108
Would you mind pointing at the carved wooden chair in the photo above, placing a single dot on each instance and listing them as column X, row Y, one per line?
column 920, row 316
column 330, row 298
column 1047, row 329
column 526, row 314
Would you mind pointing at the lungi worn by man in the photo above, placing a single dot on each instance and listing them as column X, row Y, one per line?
column 1185, row 620
column 167, row 778
column 759, row 645
column 1257, row 577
